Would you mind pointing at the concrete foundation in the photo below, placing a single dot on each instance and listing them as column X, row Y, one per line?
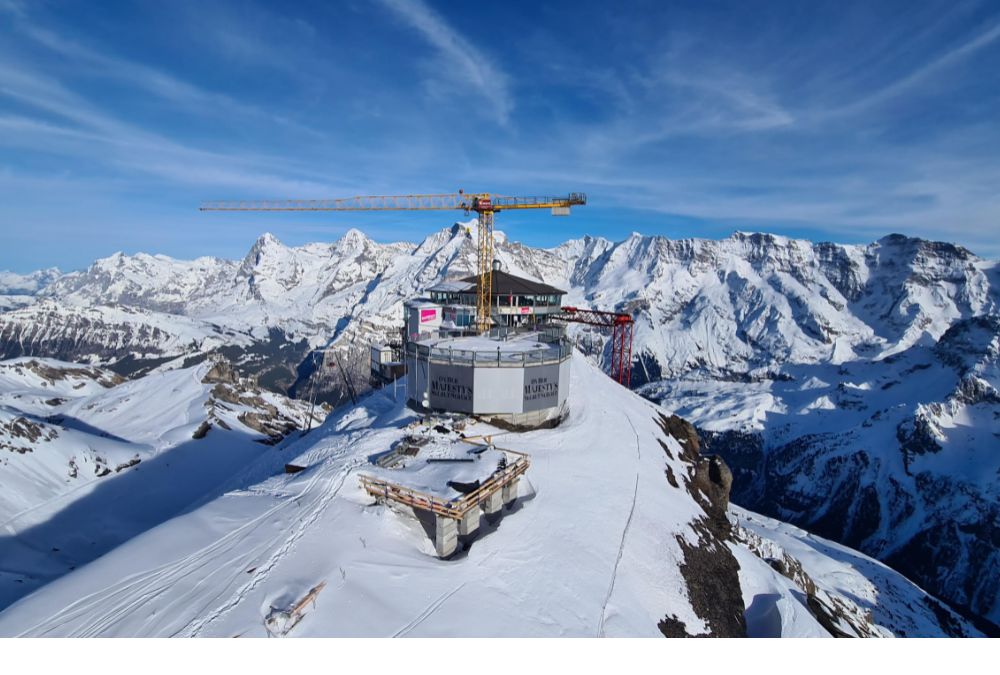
column 509, row 493
column 469, row 523
column 539, row 419
column 445, row 536
column 492, row 504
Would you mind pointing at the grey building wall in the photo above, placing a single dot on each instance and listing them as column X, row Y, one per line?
column 486, row 390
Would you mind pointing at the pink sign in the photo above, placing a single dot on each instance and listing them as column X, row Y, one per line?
column 526, row 310
column 428, row 315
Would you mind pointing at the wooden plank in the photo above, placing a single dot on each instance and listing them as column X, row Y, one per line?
column 455, row 508
column 309, row 597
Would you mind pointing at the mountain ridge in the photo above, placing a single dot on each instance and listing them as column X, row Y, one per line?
column 807, row 354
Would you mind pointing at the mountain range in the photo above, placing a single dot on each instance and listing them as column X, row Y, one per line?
column 852, row 389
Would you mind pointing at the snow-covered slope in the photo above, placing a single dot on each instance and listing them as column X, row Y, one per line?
column 88, row 461
column 825, row 363
column 896, row 457
column 620, row 529
column 847, row 594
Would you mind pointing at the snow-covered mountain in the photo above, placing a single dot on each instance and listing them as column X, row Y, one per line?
column 19, row 290
column 89, row 460
column 622, row 528
column 812, row 364
column 738, row 307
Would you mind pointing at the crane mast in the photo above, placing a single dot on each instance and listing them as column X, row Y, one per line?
column 484, row 204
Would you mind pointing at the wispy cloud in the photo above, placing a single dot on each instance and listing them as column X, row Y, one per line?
column 913, row 80
column 152, row 80
column 677, row 120
column 127, row 145
column 729, row 100
column 13, row 7
column 460, row 62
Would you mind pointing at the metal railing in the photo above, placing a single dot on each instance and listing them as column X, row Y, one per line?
column 557, row 353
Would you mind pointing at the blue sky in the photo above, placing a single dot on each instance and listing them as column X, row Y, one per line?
column 833, row 121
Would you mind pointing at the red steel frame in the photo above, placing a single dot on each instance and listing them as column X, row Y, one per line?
column 621, row 336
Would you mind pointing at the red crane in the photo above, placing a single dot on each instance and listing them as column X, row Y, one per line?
column 621, row 336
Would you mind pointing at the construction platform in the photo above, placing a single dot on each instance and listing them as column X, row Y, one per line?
column 521, row 379
column 454, row 488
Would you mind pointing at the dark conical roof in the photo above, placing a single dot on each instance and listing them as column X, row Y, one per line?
column 505, row 283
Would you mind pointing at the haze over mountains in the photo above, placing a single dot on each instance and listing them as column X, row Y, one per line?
column 853, row 389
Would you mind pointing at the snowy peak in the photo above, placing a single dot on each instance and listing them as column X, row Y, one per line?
column 354, row 239
column 27, row 284
column 730, row 307
column 266, row 248
column 269, row 268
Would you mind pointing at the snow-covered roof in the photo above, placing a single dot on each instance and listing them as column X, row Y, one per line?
column 453, row 286
column 421, row 302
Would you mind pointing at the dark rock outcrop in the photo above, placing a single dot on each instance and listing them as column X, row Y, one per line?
column 710, row 571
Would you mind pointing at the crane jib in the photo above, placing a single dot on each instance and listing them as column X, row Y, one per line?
column 484, row 204
column 444, row 202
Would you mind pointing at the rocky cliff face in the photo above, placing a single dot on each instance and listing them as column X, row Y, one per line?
column 895, row 457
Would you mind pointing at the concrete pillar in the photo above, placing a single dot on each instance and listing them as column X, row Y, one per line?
column 469, row 523
column 510, row 492
column 445, row 535
column 492, row 505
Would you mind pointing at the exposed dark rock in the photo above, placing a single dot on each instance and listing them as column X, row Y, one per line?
column 916, row 437
column 272, row 425
column 744, row 455
column 684, row 433
column 24, row 434
column 20, row 427
column 228, row 394
column 202, row 430
column 710, row 571
column 672, row 627
column 127, row 465
column 221, row 372
column 711, row 575
column 974, row 390
column 714, row 479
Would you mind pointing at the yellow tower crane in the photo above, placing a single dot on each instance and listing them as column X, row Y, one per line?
column 484, row 204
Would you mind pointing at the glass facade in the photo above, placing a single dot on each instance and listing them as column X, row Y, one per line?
column 499, row 300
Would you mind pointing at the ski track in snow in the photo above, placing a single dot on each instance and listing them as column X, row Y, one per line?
column 194, row 628
column 621, row 546
column 146, row 580
column 428, row 611
column 140, row 589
